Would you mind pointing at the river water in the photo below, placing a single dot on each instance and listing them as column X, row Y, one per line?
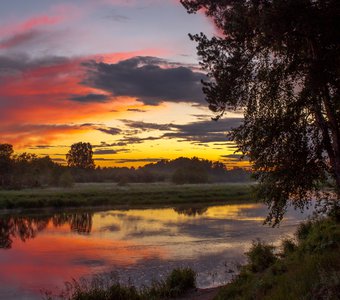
column 43, row 251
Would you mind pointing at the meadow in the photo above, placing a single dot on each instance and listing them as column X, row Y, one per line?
column 112, row 194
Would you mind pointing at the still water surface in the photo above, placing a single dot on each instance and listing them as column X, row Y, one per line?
column 42, row 251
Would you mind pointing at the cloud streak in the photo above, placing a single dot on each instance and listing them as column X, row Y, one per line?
column 196, row 132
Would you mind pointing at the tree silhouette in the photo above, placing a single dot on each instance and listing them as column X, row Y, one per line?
column 80, row 156
column 279, row 61
column 6, row 152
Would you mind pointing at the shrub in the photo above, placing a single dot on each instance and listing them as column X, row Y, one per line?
column 260, row 256
column 180, row 280
column 288, row 246
column 108, row 287
column 303, row 230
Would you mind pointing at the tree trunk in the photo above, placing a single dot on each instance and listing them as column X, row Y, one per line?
column 331, row 143
column 335, row 132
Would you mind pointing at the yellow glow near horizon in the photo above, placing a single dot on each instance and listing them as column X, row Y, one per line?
column 135, row 154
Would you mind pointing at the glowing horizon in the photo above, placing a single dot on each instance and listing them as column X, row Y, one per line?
column 121, row 76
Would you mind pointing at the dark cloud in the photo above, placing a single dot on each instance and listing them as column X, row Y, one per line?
column 110, row 130
column 150, row 79
column 104, row 159
column 202, row 117
column 105, row 151
column 11, row 65
column 19, row 39
column 129, row 140
column 235, row 157
column 136, row 110
column 106, row 145
column 147, row 126
column 227, row 143
column 109, row 151
column 196, row 132
column 130, row 160
column 205, row 131
column 91, row 98
column 37, row 147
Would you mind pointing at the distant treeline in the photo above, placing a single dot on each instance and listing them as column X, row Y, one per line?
column 28, row 170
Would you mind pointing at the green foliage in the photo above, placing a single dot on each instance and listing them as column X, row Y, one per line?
column 304, row 272
column 260, row 256
column 80, row 156
column 108, row 288
column 279, row 60
column 288, row 247
column 28, row 170
column 6, row 152
column 179, row 281
column 97, row 194
column 303, row 230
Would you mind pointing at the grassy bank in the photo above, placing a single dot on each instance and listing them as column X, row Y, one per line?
column 308, row 268
column 110, row 194
column 177, row 283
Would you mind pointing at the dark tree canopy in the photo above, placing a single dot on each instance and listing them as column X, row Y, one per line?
column 279, row 61
column 80, row 156
column 6, row 152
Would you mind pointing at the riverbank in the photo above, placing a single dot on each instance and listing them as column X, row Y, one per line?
column 305, row 268
column 111, row 194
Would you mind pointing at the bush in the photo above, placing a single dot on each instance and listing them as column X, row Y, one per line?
column 303, row 230
column 180, row 280
column 108, row 287
column 288, row 247
column 260, row 256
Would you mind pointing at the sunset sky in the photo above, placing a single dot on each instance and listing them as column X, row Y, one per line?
column 122, row 75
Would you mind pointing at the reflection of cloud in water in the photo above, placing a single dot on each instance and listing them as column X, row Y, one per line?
column 136, row 243
column 112, row 228
column 85, row 261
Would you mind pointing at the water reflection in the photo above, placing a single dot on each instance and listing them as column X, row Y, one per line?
column 27, row 227
column 191, row 211
column 43, row 251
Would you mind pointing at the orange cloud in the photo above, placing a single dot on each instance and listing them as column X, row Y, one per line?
column 40, row 93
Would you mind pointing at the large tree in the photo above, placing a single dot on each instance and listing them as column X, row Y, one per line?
column 6, row 153
column 279, row 61
column 80, row 156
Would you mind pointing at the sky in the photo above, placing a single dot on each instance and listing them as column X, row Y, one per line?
column 122, row 75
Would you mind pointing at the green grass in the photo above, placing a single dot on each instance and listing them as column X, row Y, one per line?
column 177, row 283
column 307, row 269
column 110, row 194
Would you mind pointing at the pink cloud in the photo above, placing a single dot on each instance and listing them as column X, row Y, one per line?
column 30, row 24
column 36, row 99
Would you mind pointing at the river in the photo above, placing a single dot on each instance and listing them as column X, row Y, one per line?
column 41, row 251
